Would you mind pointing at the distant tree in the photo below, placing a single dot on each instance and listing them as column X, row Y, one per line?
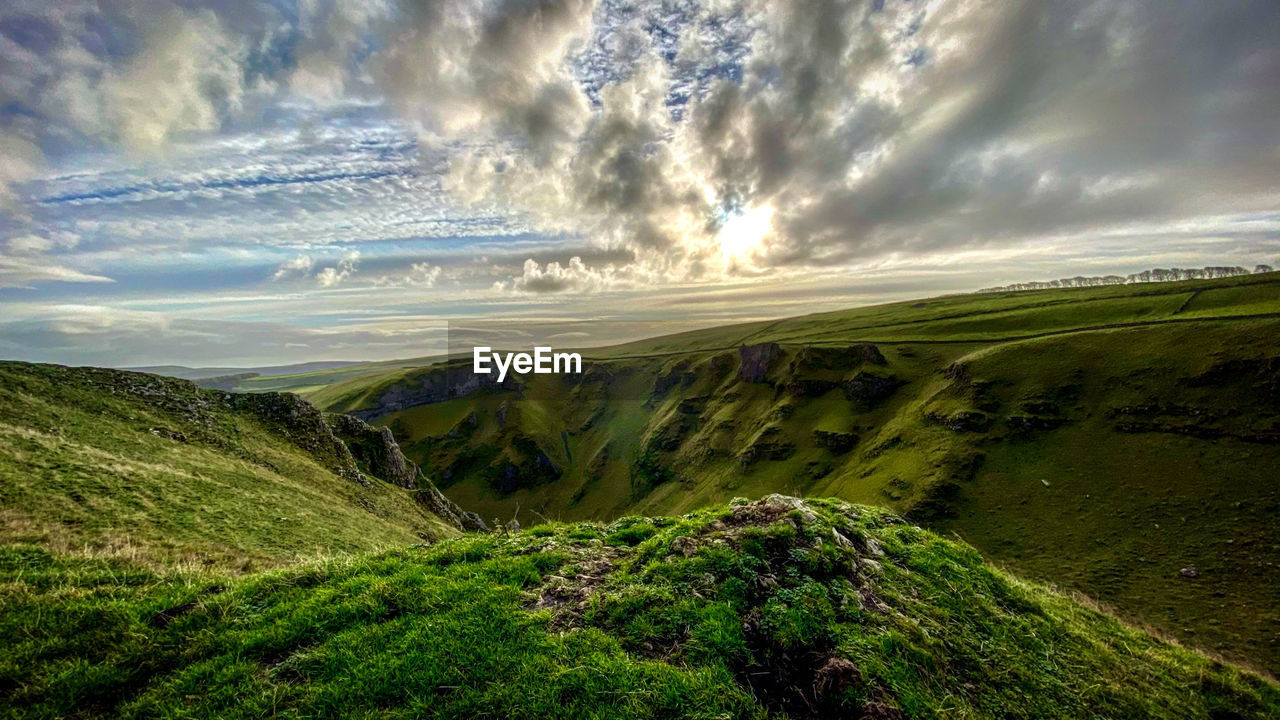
column 1146, row 276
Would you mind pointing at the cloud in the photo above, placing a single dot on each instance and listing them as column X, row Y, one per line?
column 28, row 245
column 346, row 267
column 461, row 66
column 424, row 274
column 332, row 35
column 191, row 147
column 419, row 274
column 24, row 273
column 25, row 262
column 555, row 278
column 881, row 127
column 188, row 77
column 20, row 159
column 298, row 266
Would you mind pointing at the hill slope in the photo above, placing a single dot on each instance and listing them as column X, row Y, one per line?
column 783, row 607
column 157, row 470
column 1100, row 438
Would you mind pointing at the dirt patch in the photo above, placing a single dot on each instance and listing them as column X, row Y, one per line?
column 567, row 592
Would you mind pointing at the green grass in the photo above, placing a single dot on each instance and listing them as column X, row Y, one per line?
column 777, row 608
column 1123, row 510
column 315, row 380
column 107, row 463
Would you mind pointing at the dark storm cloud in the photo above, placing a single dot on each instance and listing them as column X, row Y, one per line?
column 1058, row 117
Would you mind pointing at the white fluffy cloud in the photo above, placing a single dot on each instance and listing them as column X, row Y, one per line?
column 188, row 77
column 576, row 276
column 346, row 267
column 424, row 274
column 20, row 159
column 134, row 79
column 294, row 267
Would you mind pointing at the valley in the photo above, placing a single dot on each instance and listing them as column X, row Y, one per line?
column 1103, row 439
column 1040, row 505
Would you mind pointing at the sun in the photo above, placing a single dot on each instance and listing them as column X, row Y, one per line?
column 743, row 231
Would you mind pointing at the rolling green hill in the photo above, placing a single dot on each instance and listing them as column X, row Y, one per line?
column 105, row 463
column 778, row 608
column 1120, row 441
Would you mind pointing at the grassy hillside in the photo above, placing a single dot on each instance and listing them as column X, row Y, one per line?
column 1105, row 439
column 183, row 372
column 779, row 608
column 155, row 470
column 303, row 382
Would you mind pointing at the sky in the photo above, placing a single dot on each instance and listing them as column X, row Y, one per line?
column 251, row 183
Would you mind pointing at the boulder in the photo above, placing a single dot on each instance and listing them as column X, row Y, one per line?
column 836, row 442
column 866, row 390
column 962, row 421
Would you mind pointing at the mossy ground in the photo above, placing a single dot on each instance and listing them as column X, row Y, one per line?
column 779, row 608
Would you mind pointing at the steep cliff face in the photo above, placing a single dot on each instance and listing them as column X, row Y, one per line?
column 375, row 450
column 754, row 361
column 354, row 449
column 376, row 454
column 447, row 509
column 429, row 386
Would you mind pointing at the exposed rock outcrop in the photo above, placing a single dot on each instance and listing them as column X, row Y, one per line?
column 378, row 454
column 767, row 446
column 866, row 390
column 434, row 385
column 375, row 450
column 754, row 361
column 1029, row 423
column 811, row 387
column 528, row 466
column 836, row 442
column 962, row 421
column 304, row 425
column 436, row 502
column 836, row 358
column 679, row 374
